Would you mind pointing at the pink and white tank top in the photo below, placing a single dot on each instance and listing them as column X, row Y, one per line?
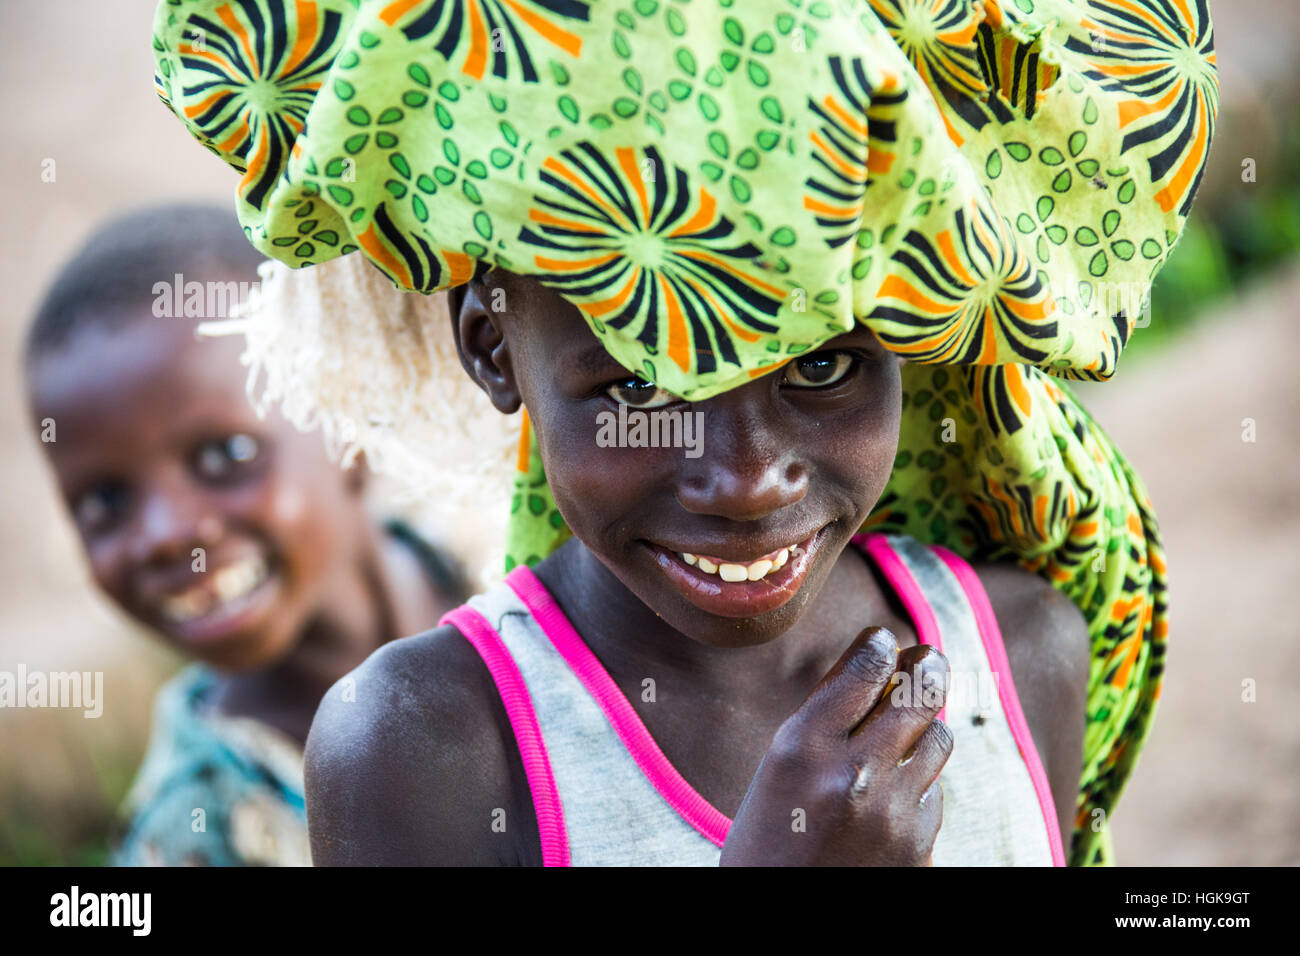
column 605, row 794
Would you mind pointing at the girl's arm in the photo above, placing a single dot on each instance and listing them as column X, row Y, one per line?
column 406, row 763
column 1048, row 647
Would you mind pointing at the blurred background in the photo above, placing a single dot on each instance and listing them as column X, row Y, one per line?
column 1219, row 779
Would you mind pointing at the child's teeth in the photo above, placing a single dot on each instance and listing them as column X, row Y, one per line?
column 239, row 579
column 191, row 604
column 733, row 573
column 231, row 582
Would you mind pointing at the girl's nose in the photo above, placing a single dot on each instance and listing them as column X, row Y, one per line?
column 170, row 523
column 746, row 472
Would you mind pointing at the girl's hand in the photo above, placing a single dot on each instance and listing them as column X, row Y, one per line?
column 851, row 777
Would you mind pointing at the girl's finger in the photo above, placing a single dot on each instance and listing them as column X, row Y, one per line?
column 853, row 686
column 910, row 706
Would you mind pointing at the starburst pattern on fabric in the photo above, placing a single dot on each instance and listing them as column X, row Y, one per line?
column 1162, row 54
column 959, row 291
column 938, row 36
column 489, row 30
column 642, row 250
column 853, row 141
column 251, row 78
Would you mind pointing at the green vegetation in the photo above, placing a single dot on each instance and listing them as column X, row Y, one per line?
column 1223, row 251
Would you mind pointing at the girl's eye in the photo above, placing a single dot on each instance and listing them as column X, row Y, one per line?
column 639, row 393
column 101, row 506
column 224, row 457
column 818, row 370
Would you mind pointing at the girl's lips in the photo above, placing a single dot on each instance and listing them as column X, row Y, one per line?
column 227, row 603
column 740, row 599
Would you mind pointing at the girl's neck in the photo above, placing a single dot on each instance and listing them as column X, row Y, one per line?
column 358, row 615
column 605, row 613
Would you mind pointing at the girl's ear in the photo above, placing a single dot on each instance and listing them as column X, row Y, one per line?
column 482, row 347
column 357, row 477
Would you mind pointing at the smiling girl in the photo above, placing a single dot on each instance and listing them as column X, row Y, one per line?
column 234, row 538
column 521, row 732
column 750, row 213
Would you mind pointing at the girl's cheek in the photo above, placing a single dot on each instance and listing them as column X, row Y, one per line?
column 277, row 509
column 302, row 520
column 108, row 566
column 589, row 477
column 594, row 486
column 570, row 440
column 865, row 462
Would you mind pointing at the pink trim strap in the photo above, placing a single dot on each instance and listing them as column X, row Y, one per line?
column 996, row 652
column 710, row 822
column 680, row 795
column 877, row 547
column 528, row 734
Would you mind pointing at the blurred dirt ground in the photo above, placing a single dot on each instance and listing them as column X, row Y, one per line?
column 1219, row 778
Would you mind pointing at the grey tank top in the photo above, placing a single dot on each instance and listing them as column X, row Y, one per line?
column 607, row 796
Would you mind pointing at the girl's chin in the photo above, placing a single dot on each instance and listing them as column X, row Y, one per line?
column 242, row 652
column 735, row 633
column 245, row 658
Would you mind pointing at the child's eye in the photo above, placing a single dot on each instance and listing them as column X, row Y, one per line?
column 222, row 458
column 818, row 370
column 101, row 506
column 639, row 393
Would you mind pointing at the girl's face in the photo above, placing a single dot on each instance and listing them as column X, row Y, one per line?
column 730, row 538
column 216, row 529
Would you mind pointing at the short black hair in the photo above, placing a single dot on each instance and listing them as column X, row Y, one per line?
column 117, row 267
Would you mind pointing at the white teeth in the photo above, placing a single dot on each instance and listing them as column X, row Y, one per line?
column 228, row 584
column 237, row 580
column 187, row 606
column 733, row 573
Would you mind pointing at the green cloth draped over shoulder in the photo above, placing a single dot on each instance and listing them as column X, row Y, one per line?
column 719, row 186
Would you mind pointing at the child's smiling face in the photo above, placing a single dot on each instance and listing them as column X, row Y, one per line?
column 158, row 453
column 791, row 465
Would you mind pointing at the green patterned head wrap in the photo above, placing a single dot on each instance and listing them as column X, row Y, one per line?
column 719, row 186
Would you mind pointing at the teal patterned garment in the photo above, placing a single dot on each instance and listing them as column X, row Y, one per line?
column 214, row 790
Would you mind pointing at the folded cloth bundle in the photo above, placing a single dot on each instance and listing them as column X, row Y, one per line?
column 717, row 186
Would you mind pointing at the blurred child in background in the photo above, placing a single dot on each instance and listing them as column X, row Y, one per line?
column 233, row 538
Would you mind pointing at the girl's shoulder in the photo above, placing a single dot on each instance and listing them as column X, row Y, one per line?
column 411, row 760
column 1044, row 632
column 213, row 791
